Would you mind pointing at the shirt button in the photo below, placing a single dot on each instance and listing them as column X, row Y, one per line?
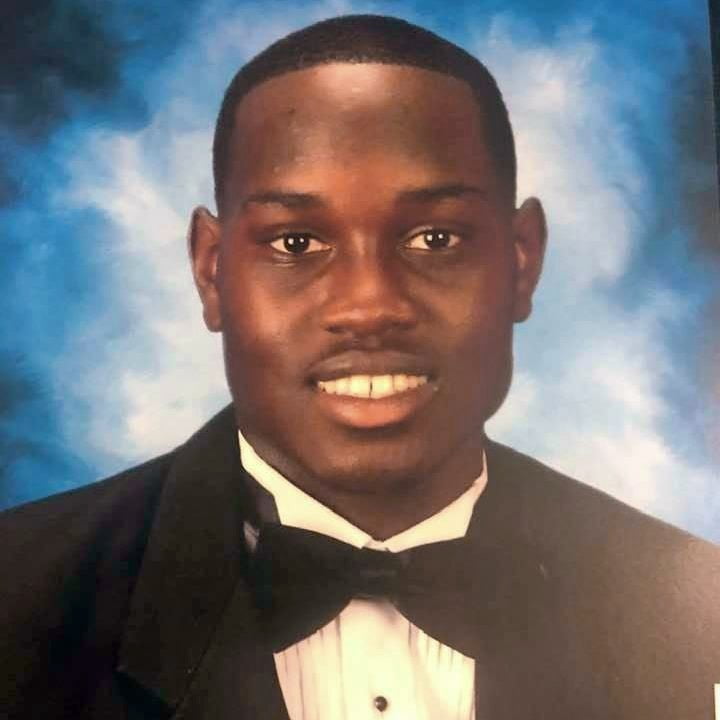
column 380, row 703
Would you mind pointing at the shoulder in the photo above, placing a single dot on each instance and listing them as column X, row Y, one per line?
column 115, row 505
column 635, row 586
column 105, row 523
column 60, row 549
column 69, row 563
column 629, row 561
column 551, row 503
column 635, row 597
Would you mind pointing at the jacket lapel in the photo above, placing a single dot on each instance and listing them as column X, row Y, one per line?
column 191, row 643
column 192, row 647
column 510, row 596
column 236, row 678
column 530, row 659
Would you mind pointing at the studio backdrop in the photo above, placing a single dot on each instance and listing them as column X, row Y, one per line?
column 107, row 113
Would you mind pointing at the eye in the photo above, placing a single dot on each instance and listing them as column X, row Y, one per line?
column 433, row 239
column 298, row 244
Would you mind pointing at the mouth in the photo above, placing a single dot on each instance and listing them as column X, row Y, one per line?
column 364, row 402
column 371, row 387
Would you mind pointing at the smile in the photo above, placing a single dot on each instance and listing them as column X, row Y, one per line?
column 372, row 387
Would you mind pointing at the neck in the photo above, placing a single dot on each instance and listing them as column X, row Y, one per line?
column 387, row 509
column 387, row 514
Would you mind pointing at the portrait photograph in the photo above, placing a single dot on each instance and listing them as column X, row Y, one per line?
column 108, row 129
column 203, row 278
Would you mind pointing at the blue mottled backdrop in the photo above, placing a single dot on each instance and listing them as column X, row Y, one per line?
column 107, row 111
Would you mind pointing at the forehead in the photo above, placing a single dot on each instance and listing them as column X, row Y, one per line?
column 341, row 114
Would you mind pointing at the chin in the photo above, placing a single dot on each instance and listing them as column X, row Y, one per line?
column 371, row 479
column 378, row 467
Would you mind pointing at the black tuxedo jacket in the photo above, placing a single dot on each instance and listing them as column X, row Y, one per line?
column 128, row 599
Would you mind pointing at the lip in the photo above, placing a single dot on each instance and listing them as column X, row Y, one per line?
column 367, row 413
column 356, row 362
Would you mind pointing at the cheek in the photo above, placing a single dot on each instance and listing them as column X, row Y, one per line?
column 263, row 377
column 478, row 311
column 265, row 346
column 250, row 315
column 479, row 346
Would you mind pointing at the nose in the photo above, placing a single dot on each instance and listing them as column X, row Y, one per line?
column 368, row 297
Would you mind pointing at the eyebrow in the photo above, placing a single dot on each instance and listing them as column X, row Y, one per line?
column 299, row 200
column 285, row 198
column 433, row 193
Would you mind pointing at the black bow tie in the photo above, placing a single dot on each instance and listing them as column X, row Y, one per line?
column 302, row 580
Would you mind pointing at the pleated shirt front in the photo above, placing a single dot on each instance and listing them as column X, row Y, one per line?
column 370, row 662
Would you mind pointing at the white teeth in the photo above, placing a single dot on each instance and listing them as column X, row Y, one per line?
column 400, row 383
column 360, row 386
column 381, row 386
column 372, row 386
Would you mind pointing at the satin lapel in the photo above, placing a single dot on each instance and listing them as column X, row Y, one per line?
column 237, row 678
column 519, row 669
column 191, row 584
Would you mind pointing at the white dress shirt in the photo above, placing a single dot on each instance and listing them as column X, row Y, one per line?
column 370, row 662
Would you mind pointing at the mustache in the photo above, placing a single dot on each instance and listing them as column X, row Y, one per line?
column 364, row 356
column 395, row 343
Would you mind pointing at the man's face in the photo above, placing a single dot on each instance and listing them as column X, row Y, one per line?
column 366, row 272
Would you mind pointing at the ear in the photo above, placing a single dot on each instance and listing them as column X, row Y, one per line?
column 204, row 251
column 529, row 237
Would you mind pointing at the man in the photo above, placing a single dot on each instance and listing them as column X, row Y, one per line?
column 344, row 541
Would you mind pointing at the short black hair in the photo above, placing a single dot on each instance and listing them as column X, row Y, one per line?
column 369, row 39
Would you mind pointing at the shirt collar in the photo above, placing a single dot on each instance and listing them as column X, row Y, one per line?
column 296, row 508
